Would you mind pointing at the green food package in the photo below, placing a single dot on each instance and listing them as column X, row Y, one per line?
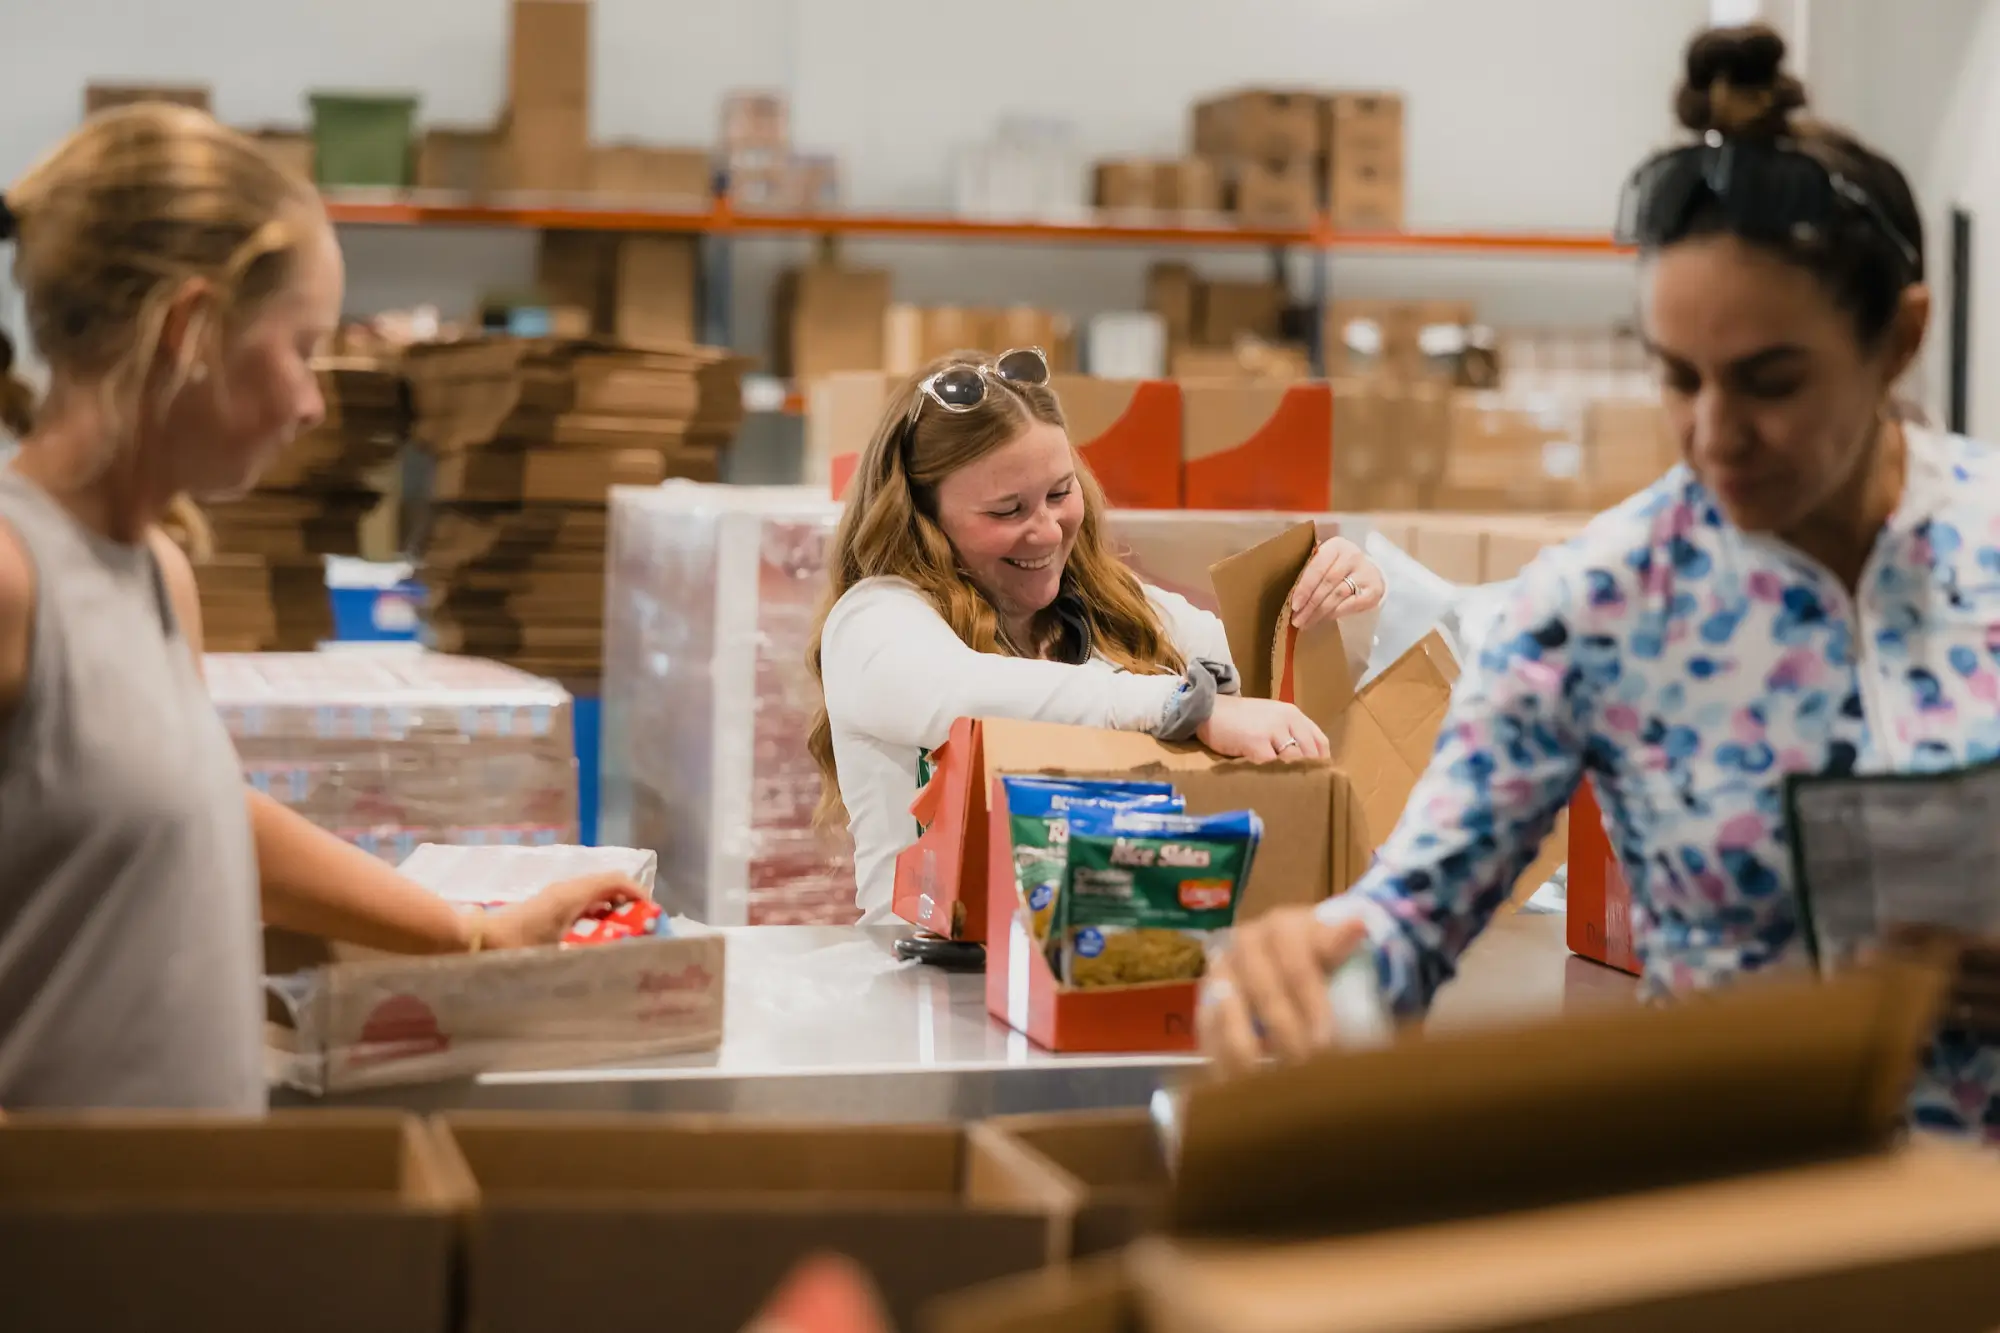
column 1145, row 894
column 1037, row 810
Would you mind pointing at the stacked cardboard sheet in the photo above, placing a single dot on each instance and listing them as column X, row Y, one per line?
column 529, row 436
column 263, row 588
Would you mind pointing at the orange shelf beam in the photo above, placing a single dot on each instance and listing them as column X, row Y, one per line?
column 408, row 211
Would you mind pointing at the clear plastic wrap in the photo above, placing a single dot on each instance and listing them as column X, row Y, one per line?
column 711, row 596
column 391, row 750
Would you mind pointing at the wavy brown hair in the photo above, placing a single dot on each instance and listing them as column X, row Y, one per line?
column 889, row 529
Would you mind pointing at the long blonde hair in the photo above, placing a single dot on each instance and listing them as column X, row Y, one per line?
column 889, row 529
column 112, row 226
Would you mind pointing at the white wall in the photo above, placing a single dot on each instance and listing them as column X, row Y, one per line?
column 1521, row 114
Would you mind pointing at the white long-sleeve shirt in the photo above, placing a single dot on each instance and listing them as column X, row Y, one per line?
column 897, row 677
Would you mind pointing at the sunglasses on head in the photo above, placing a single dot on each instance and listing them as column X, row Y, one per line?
column 961, row 388
column 1772, row 191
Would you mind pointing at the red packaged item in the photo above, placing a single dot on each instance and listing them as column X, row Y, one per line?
column 629, row 920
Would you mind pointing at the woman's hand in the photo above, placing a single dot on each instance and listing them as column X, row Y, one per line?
column 546, row 917
column 1261, row 730
column 1266, row 994
column 1339, row 581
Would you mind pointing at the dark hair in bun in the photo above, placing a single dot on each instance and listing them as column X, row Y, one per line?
column 1736, row 84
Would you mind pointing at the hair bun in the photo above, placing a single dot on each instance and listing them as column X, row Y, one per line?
column 1736, row 84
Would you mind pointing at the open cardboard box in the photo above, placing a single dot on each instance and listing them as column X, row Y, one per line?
column 1727, row 1162
column 345, row 1018
column 1114, row 1162
column 615, row 1223
column 324, row 1221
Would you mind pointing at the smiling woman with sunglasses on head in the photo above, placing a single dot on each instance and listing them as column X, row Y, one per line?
column 1813, row 591
column 971, row 578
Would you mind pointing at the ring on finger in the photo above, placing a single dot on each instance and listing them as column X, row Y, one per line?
column 1353, row 588
column 1291, row 743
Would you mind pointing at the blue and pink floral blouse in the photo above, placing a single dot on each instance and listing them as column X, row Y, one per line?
column 1686, row 667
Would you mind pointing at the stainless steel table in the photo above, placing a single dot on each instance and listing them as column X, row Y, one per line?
column 824, row 1022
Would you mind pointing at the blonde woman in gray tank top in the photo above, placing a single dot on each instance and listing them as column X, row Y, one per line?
column 177, row 281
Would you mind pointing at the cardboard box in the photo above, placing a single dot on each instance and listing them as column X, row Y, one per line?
column 1598, row 919
column 103, row 96
column 1129, row 433
column 291, row 149
column 546, row 476
column 1125, row 184
column 617, row 1223
column 1257, row 445
column 1386, row 338
column 843, row 412
column 549, row 56
column 1187, row 185
column 1173, row 292
column 1229, row 310
column 1513, row 455
column 357, row 1019
column 656, row 290
column 465, row 161
column 1627, row 447
column 756, row 121
column 827, row 319
column 1112, row 1160
column 548, row 148
column 1365, row 172
column 642, row 171
column 1307, row 854
column 1249, row 359
column 1259, row 125
column 328, row 1221
column 1274, row 194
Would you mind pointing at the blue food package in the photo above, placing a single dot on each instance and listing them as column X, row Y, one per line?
column 1037, row 811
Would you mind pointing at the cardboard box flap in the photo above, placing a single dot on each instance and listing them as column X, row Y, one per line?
column 1079, row 1298
column 1771, row 1074
column 1251, row 589
column 1896, row 1240
column 1050, row 747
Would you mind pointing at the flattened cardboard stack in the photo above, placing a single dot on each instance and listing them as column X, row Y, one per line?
column 264, row 587
column 530, row 435
column 390, row 751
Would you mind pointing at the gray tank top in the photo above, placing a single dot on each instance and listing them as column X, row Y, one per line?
column 130, row 953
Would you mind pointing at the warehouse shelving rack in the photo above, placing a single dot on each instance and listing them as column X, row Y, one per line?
column 719, row 224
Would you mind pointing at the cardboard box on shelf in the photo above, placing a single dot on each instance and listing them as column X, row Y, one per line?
column 1125, row 184
column 1173, row 292
column 463, row 160
column 1232, row 309
column 1018, row 326
column 1513, row 455
column 756, row 122
column 1627, row 447
column 827, row 319
column 344, row 1219
column 1274, row 194
column 655, row 292
column 1129, row 433
column 103, row 96
column 548, row 148
column 1364, row 179
column 1259, row 125
column 1249, row 359
column 1189, row 185
column 1387, row 338
column 1732, row 1163
column 644, row 171
column 549, row 56
column 291, row 149
column 688, row 1221
column 1253, row 445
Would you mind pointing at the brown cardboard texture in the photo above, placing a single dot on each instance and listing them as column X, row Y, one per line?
column 1113, row 1161
column 1770, row 1074
column 1907, row 1239
column 176, row 1223
column 1080, row 1298
column 1383, row 736
column 639, row 1223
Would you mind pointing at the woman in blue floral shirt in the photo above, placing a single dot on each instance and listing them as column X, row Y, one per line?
column 1815, row 589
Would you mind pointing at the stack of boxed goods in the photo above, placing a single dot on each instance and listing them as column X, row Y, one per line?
column 1362, row 138
column 263, row 588
column 546, row 137
column 1218, row 329
column 827, row 318
column 1187, row 189
column 640, row 288
column 1394, row 365
column 711, row 596
column 389, row 751
column 1266, row 148
column 529, row 437
column 914, row 336
column 1574, row 424
column 762, row 170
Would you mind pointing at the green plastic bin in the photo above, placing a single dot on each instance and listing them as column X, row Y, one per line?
column 363, row 138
